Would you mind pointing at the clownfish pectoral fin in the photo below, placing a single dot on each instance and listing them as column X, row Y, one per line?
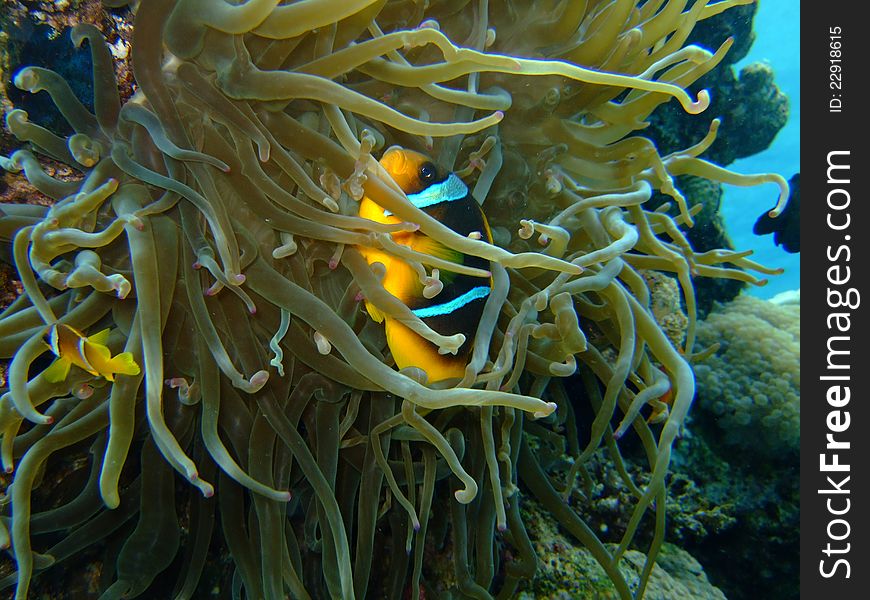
column 57, row 371
column 123, row 364
column 426, row 245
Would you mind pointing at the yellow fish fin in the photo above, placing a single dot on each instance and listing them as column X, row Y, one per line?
column 57, row 371
column 427, row 245
column 123, row 364
column 101, row 337
column 374, row 312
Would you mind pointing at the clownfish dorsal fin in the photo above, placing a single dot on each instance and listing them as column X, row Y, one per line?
column 101, row 337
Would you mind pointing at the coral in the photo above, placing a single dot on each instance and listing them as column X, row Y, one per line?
column 762, row 499
column 750, row 389
column 214, row 229
column 601, row 498
column 567, row 572
column 741, row 448
column 685, row 572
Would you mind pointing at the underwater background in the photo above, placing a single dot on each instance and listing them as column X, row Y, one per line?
column 483, row 494
column 777, row 43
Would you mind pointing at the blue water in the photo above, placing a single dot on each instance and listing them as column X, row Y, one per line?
column 777, row 27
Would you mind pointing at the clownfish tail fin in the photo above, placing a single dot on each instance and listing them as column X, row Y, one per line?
column 124, row 364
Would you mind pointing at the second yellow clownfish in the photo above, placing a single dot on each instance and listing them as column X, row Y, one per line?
column 458, row 307
column 89, row 353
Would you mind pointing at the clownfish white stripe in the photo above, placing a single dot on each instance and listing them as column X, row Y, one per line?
column 83, row 354
column 452, row 188
column 53, row 340
column 453, row 305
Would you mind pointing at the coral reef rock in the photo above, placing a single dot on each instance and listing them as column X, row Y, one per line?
column 750, row 389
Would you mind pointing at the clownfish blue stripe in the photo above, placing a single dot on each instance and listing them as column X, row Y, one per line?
column 452, row 188
column 453, row 305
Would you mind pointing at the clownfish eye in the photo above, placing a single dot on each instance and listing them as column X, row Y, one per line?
column 428, row 173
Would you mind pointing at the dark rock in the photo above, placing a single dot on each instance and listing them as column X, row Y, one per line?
column 708, row 233
column 32, row 44
column 735, row 22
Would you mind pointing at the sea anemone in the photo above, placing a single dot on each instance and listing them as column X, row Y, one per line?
column 214, row 228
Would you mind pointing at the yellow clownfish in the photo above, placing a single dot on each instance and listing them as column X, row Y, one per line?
column 459, row 305
column 90, row 353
